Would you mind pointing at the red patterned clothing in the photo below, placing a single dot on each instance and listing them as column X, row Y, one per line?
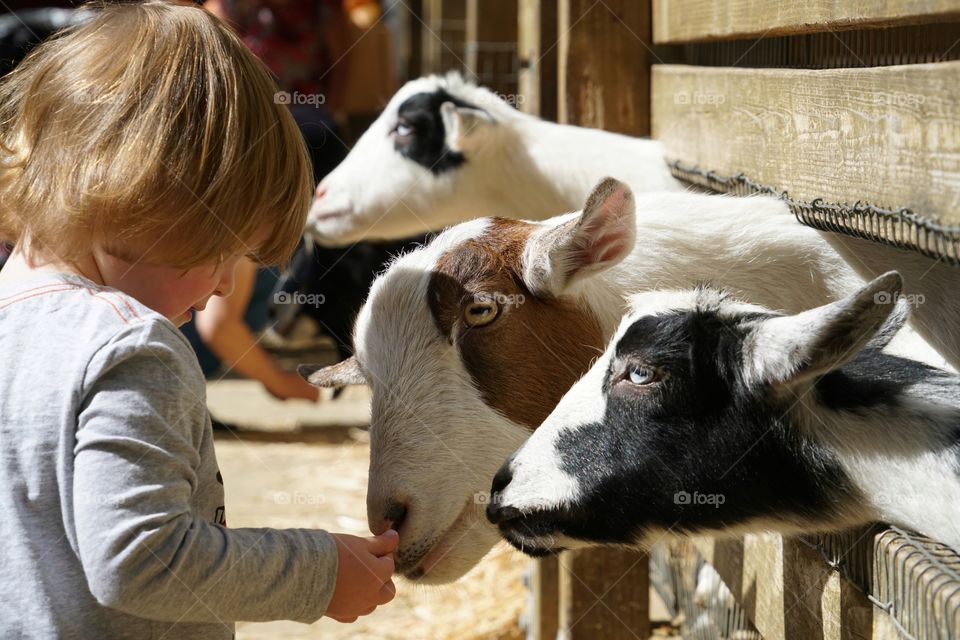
column 288, row 36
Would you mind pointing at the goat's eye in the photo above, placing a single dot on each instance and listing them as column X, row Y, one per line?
column 403, row 130
column 640, row 375
column 478, row 314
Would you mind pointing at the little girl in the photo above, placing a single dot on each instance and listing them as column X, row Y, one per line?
column 141, row 157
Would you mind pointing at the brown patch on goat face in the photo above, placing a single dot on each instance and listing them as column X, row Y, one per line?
column 537, row 347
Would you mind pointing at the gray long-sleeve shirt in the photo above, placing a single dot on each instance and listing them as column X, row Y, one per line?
column 111, row 504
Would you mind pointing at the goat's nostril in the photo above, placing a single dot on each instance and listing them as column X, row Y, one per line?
column 501, row 480
column 321, row 191
column 499, row 514
column 396, row 513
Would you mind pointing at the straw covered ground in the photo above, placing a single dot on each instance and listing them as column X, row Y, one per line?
column 323, row 484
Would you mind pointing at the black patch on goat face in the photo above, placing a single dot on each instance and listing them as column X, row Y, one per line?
column 697, row 450
column 427, row 142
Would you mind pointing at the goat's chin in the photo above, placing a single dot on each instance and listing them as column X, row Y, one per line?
column 335, row 232
column 462, row 555
column 534, row 550
column 546, row 543
column 339, row 231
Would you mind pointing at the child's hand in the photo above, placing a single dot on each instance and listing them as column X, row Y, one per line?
column 363, row 575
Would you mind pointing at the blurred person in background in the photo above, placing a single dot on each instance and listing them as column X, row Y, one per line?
column 331, row 58
column 225, row 332
column 305, row 44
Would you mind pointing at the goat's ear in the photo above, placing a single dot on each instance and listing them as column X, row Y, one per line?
column 343, row 373
column 793, row 349
column 461, row 123
column 601, row 236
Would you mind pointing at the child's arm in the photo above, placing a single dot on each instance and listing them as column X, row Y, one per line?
column 224, row 329
column 142, row 520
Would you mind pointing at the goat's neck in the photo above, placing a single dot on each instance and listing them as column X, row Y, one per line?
column 514, row 180
column 535, row 169
column 604, row 296
column 575, row 159
column 531, row 169
column 902, row 456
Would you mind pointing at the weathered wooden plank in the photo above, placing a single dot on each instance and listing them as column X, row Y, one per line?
column 787, row 590
column 604, row 593
column 887, row 135
column 491, row 44
column 413, row 26
column 693, row 20
column 537, row 48
column 604, row 59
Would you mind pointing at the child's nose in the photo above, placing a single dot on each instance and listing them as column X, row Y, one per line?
column 224, row 290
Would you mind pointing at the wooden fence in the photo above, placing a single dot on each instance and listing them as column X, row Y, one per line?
column 830, row 101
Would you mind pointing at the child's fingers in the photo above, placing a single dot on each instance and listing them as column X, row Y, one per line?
column 383, row 567
column 387, row 592
column 384, row 543
column 348, row 619
column 345, row 620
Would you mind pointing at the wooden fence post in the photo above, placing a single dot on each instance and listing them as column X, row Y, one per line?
column 444, row 35
column 491, row 44
column 537, row 49
column 604, row 593
column 605, row 54
column 603, row 77
column 543, row 615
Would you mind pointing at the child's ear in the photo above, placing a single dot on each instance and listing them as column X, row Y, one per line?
column 601, row 236
column 793, row 349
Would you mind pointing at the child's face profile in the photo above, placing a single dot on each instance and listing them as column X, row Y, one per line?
column 170, row 291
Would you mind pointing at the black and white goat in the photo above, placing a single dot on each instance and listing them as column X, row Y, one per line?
column 708, row 415
column 445, row 151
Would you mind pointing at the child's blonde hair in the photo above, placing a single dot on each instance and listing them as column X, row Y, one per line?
column 150, row 126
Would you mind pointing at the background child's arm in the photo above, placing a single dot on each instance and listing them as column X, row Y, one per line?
column 146, row 490
column 223, row 327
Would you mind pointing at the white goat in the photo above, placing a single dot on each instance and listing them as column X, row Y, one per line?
column 710, row 415
column 444, row 151
column 469, row 342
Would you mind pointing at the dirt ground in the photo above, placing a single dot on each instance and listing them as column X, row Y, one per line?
column 301, row 465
